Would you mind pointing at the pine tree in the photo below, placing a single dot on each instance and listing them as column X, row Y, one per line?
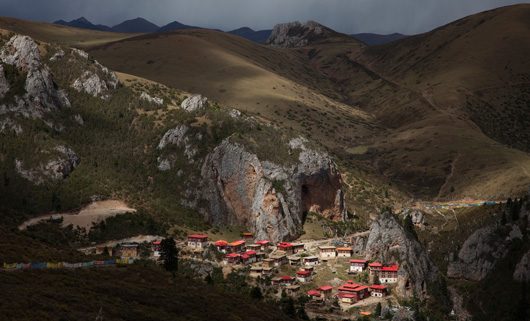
column 255, row 293
column 377, row 311
column 169, row 255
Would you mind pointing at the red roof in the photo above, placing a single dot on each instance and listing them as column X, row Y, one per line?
column 361, row 288
column 285, row 245
column 303, row 273
column 221, row 243
column 286, row 278
column 375, row 264
column 157, row 242
column 250, row 253
column 351, row 285
column 391, row 268
column 232, row 255
column 245, row 256
column 263, row 242
column 358, row 261
column 313, row 293
column 237, row 243
column 377, row 287
column 325, row 288
column 198, row 236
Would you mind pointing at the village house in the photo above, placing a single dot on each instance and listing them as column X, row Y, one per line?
column 378, row 290
column 327, row 252
column 298, row 247
column 310, row 268
column 236, row 246
column 315, row 295
column 265, row 244
column 304, row 276
column 267, row 271
column 197, row 241
column 357, row 265
column 267, row 262
column 254, row 247
column 375, row 268
column 128, row 250
column 358, row 291
column 255, row 271
column 389, row 274
column 155, row 248
column 325, row 290
column 310, row 260
column 279, row 259
column 344, row 252
column 221, row 246
column 347, row 298
column 286, row 247
column 283, row 280
column 248, row 257
column 292, row 289
column 233, row 258
column 247, row 236
column 294, row 260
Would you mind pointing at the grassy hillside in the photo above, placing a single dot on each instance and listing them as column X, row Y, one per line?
column 131, row 293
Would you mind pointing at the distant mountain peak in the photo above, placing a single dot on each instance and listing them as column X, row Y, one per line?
column 136, row 25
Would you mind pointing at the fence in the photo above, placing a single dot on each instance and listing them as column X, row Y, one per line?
column 64, row 265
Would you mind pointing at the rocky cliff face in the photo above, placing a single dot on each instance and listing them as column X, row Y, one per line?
column 271, row 199
column 389, row 242
column 40, row 93
column 481, row 251
column 297, row 34
column 522, row 269
column 62, row 162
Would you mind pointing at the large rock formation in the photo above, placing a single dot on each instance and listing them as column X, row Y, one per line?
column 179, row 137
column 389, row 242
column 58, row 167
column 97, row 80
column 297, row 34
column 271, row 199
column 40, row 91
column 194, row 103
column 481, row 251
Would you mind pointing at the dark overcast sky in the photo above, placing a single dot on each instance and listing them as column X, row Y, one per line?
column 348, row 16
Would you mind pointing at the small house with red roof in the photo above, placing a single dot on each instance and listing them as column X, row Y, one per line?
column 389, row 274
column 155, row 248
column 378, row 290
column 327, row 252
column 221, row 245
column 233, row 258
column 236, row 246
column 326, row 290
column 197, row 241
column 248, row 257
column 347, row 298
column 315, row 295
column 357, row 265
column 344, row 252
column 375, row 268
column 265, row 244
column 247, row 236
column 286, row 247
column 304, row 276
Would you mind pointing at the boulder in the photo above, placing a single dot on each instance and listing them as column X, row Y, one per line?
column 194, row 103
column 270, row 199
column 152, row 100
column 91, row 84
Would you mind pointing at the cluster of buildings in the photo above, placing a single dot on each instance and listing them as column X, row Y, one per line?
column 348, row 293
column 127, row 250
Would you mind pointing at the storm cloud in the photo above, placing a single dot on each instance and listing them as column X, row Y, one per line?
column 348, row 16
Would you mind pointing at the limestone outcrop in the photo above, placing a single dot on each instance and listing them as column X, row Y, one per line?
column 194, row 103
column 96, row 80
column 59, row 166
column 178, row 137
column 271, row 199
column 40, row 93
column 481, row 251
column 297, row 34
column 389, row 242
